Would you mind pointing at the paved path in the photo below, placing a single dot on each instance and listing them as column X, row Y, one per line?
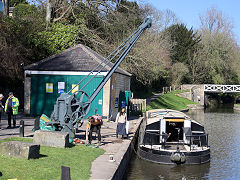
column 14, row 132
column 112, row 146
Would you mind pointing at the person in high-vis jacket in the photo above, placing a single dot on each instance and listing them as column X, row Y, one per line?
column 1, row 108
column 11, row 108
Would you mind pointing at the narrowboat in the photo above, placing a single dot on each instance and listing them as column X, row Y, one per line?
column 171, row 137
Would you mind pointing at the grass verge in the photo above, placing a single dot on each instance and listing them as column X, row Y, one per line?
column 170, row 101
column 78, row 158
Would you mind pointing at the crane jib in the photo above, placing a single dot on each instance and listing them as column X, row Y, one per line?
column 70, row 109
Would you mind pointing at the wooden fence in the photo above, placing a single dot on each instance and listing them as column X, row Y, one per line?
column 172, row 88
column 138, row 106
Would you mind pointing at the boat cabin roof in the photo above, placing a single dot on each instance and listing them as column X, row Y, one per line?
column 168, row 114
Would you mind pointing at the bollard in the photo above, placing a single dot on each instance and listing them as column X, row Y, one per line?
column 36, row 124
column 21, row 129
column 65, row 173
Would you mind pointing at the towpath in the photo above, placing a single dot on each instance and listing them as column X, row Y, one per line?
column 152, row 98
column 14, row 132
column 119, row 148
column 102, row 168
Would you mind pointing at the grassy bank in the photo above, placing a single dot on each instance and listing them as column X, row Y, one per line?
column 170, row 101
column 48, row 166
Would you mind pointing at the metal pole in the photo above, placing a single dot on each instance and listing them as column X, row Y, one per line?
column 21, row 129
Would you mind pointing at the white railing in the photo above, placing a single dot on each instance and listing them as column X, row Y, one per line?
column 221, row 88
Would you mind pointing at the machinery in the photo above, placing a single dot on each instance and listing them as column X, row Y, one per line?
column 71, row 109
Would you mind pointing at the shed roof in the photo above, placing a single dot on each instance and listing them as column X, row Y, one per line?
column 77, row 58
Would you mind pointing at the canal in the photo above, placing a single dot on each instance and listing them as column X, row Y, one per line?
column 223, row 126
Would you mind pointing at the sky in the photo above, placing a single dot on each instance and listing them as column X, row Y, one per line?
column 188, row 11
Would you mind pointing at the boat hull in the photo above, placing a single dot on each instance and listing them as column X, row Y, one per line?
column 164, row 157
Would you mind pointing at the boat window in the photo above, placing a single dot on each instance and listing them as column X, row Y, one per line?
column 196, row 127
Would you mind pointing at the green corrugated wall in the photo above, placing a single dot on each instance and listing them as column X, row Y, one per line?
column 42, row 102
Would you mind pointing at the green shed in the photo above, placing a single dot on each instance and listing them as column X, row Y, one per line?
column 47, row 79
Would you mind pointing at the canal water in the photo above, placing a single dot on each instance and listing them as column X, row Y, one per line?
column 223, row 126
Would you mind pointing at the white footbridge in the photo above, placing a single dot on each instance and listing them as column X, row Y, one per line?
column 217, row 88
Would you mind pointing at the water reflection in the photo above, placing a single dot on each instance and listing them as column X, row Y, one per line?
column 146, row 170
column 223, row 126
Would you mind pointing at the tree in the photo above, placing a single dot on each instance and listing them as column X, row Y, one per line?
column 25, row 11
column 184, row 42
column 149, row 59
column 14, row 3
column 161, row 19
column 179, row 70
column 13, row 48
column 219, row 51
column 197, row 66
column 214, row 21
column 56, row 38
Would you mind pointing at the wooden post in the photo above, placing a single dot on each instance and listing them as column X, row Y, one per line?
column 65, row 173
column 21, row 129
column 37, row 124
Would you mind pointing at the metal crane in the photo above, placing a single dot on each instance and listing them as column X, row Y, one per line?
column 70, row 110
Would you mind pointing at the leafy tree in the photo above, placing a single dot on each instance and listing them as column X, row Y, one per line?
column 184, row 41
column 14, row 3
column 56, row 38
column 14, row 48
column 219, row 52
column 179, row 70
column 25, row 10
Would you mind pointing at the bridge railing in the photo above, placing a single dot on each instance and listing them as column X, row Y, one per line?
column 221, row 88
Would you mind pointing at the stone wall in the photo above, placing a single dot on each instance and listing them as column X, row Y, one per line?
column 196, row 93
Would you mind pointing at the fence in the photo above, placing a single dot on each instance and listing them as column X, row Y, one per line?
column 137, row 106
column 172, row 88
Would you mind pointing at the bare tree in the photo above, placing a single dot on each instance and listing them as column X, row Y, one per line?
column 215, row 21
column 149, row 59
column 161, row 19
